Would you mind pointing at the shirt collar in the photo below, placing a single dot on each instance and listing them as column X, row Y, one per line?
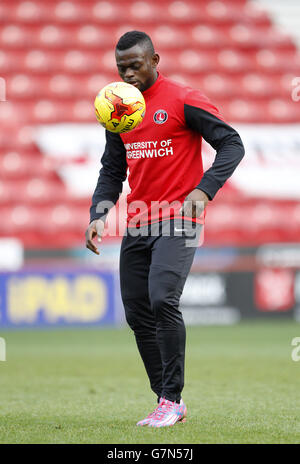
column 151, row 90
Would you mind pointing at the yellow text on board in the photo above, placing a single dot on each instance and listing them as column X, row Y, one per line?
column 82, row 299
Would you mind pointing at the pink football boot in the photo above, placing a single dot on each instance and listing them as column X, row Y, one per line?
column 147, row 419
column 168, row 413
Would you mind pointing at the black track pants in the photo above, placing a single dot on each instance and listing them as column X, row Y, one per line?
column 153, row 271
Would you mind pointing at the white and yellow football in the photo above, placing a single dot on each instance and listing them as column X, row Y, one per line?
column 120, row 107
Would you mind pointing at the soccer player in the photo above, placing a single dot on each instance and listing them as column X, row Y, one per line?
column 164, row 159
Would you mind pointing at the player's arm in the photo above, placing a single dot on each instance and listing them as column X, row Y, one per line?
column 109, row 187
column 203, row 117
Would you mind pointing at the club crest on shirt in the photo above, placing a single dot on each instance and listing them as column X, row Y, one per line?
column 160, row 116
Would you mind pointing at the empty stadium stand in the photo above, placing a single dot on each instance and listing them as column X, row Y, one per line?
column 56, row 55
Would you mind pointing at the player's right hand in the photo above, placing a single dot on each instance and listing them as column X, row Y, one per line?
column 96, row 227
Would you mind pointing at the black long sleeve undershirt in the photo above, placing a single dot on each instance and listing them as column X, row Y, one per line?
column 111, row 175
column 224, row 139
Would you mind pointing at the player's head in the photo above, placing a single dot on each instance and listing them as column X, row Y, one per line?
column 136, row 59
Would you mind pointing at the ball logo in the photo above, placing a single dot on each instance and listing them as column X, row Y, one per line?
column 160, row 116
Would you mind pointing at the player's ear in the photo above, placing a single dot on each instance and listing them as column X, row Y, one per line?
column 155, row 60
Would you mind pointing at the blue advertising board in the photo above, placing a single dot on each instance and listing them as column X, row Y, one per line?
column 57, row 297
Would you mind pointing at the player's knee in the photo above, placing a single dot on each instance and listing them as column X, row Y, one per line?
column 164, row 307
column 131, row 318
column 158, row 302
column 164, row 292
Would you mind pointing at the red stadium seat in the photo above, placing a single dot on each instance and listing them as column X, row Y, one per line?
column 253, row 13
column 4, row 12
column 192, row 61
column 11, row 114
column 38, row 61
column 275, row 38
column 285, row 83
column 259, row 86
column 15, row 165
column 6, row 193
column 242, row 35
column 49, row 61
column 220, row 11
column 93, row 84
column 68, row 11
column 208, row 36
column 249, row 36
column 275, row 61
column 23, row 138
column 26, row 86
column 79, row 61
column 19, row 137
column 37, row 190
column 218, row 86
column 64, row 87
column 108, row 61
column 179, row 10
column 233, row 61
column 57, row 54
column 227, row 13
column 60, row 86
column 29, row 11
column 13, row 36
column 105, row 11
column 61, row 217
column 32, row 12
column 92, row 36
column 54, row 36
column 244, row 111
column 44, row 111
column 142, row 10
column 47, row 111
column 283, row 111
column 8, row 61
column 20, row 86
column 167, row 36
column 83, row 110
column 16, row 220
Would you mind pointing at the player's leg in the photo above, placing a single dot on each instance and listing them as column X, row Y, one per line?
column 170, row 265
column 135, row 258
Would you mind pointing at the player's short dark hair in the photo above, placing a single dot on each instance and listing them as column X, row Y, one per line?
column 132, row 38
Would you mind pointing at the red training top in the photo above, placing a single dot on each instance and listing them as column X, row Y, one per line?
column 164, row 157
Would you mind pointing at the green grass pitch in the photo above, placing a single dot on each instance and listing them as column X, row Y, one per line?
column 89, row 386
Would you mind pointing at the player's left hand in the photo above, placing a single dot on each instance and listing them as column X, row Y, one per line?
column 194, row 204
